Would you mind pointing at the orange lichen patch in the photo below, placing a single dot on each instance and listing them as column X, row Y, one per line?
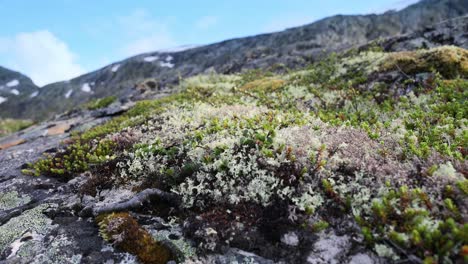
column 263, row 85
column 125, row 233
column 11, row 143
column 449, row 61
column 58, row 129
column 464, row 251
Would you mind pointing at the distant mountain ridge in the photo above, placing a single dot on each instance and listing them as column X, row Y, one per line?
column 292, row 48
column 16, row 90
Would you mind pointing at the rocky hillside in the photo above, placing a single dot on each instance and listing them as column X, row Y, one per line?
column 291, row 48
column 360, row 157
column 16, row 90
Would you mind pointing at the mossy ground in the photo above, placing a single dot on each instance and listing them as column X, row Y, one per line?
column 333, row 140
column 8, row 126
column 100, row 103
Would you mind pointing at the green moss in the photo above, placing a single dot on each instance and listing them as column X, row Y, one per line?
column 450, row 61
column 100, row 103
column 320, row 226
column 76, row 158
column 443, row 106
column 463, row 186
column 411, row 224
column 88, row 148
column 8, row 126
column 125, row 233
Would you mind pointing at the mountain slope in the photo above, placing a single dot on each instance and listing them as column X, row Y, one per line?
column 292, row 48
column 16, row 90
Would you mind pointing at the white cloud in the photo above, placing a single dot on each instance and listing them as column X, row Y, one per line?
column 206, row 22
column 144, row 33
column 41, row 56
column 288, row 21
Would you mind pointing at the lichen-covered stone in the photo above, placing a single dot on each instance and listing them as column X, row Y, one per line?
column 12, row 199
column 32, row 220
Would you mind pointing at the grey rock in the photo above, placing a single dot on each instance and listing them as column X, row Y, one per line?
column 448, row 32
column 233, row 255
column 330, row 248
column 361, row 259
column 290, row 239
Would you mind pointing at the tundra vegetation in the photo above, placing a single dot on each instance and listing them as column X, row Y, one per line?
column 370, row 138
column 9, row 125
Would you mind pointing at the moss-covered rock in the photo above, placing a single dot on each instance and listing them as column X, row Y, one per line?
column 100, row 103
column 126, row 234
column 450, row 61
column 12, row 199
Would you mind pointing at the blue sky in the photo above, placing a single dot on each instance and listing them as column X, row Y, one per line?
column 53, row 40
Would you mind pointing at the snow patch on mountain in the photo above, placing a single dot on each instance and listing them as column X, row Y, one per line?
column 69, row 93
column 115, row 68
column 34, row 94
column 86, row 88
column 14, row 91
column 166, row 64
column 151, row 58
column 12, row 83
column 3, row 99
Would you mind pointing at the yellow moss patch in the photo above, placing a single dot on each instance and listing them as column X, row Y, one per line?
column 11, row 143
column 125, row 233
column 450, row 61
column 263, row 85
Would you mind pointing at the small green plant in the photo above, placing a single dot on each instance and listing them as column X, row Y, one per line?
column 411, row 224
column 320, row 226
column 100, row 102
column 76, row 158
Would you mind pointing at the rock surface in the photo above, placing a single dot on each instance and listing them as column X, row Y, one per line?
column 38, row 217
